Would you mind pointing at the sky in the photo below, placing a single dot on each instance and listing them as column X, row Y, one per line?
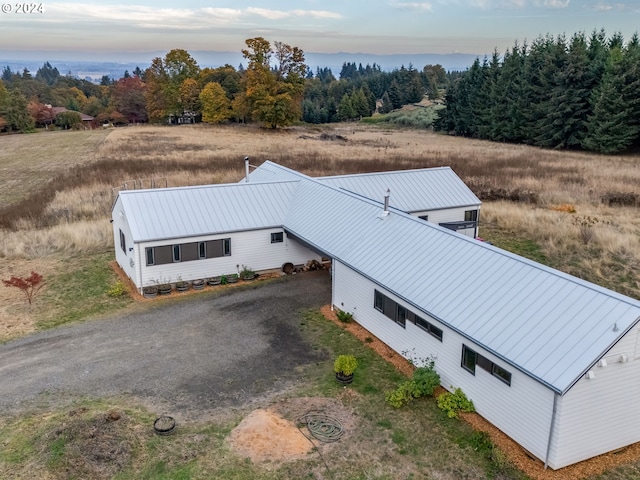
column 109, row 29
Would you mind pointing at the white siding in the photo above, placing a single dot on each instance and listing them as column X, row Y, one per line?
column 127, row 260
column 450, row 215
column 602, row 413
column 252, row 249
column 523, row 410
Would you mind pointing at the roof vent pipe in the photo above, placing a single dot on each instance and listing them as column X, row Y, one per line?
column 246, row 169
column 386, row 202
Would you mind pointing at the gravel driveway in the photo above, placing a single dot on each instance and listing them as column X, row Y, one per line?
column 186, row 357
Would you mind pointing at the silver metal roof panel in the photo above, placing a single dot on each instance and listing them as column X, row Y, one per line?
column 166, row 213
column 546, row 323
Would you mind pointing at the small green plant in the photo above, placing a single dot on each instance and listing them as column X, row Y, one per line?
column 368, row 339
column 246, row 273
column 118, row 289
column 423, row 383
column 344, row 317
column 345, row 364
column 404, row 393
column 223, row 280
column 455, row 402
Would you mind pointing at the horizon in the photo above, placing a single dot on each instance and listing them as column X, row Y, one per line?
column 108, row 31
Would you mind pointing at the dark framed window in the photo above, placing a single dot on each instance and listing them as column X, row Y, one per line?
column 401, row 316
column 202, row 250
column 277, row 237
column 226, row 247
column 150, row 253
column 471, row 215
column 469, row 359
column 429, row 327
column 378, row 301
column 501, row 373
column 123, row 242
column 177, row 253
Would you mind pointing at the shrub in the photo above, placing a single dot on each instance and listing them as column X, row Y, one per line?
column 344, row 317
column 345, row 364
column 455, row 402
column 30, row 285
column 118, row 289
column 423, row 383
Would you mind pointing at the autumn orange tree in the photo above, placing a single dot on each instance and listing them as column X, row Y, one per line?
column 30, row 285
column 273, row 95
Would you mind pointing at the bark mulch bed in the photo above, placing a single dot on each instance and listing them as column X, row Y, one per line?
column 532, row 467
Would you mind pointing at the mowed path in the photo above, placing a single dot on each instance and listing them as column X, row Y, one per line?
column 185, row 357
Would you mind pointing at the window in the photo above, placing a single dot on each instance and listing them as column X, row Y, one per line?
column 176, row 253
column 471, row 216
column 123, row 242
column 202, row 250
column 401, row 316
column 469, row 359
column 502, row 374
column 378, row 302
column 429, row 327
column 424, row 217
column 277, row 237
column 150, row 256
column 226, row 247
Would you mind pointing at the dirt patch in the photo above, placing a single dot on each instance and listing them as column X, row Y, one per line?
column 92, row 445
column 515, row 454
column 279, row 434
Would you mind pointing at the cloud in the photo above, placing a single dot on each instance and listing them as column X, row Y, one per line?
column 513, row 4
column 615, row 7
column 173, row 18
column 419, row 6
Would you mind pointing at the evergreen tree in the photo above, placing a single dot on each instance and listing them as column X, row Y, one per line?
column 386, row 106
column 395, row 94
column 7, row 75
column 345, row 109
column 48, row 74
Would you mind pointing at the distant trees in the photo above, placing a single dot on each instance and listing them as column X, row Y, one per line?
column 216, row 106
column 556, row 93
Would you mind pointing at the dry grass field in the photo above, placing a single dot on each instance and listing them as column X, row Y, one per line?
column 573, row 211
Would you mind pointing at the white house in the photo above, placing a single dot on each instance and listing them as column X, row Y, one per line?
column 551, row 360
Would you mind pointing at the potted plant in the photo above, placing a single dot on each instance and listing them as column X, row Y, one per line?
column 232, row 278
column 247, row 273
column 344, row 366
column 150, row 292
column 198, row 284
column 213, row 281
column 164, row 289
column 181, row 285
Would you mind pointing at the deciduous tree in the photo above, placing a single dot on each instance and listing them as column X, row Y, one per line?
column 30, row 285
column 216, row 107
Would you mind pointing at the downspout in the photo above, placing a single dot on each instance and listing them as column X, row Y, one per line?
column 139, row 268
column 551, row 429
column 333, row 282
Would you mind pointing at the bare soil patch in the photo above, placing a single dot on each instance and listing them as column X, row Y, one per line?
column 276, row 434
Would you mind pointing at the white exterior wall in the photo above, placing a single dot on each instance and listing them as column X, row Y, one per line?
column 600, row 414
column 523, row 410
column 450, row 215
column 251, row 248
column 128, row 260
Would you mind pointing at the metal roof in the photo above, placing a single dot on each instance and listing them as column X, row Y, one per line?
column 548, row 324
column 411, row 190
column 166, row 213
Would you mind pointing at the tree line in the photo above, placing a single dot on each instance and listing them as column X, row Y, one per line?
column 579, row 92
column 276, row 88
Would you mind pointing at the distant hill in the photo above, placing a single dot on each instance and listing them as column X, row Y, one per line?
column 114, row 65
